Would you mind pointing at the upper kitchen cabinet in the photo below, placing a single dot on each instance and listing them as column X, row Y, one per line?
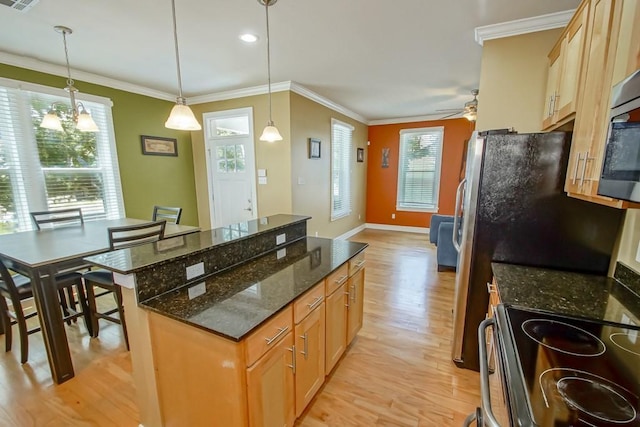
column 565, row 66
column 605, row 32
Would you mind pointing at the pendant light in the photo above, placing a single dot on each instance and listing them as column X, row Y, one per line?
column 270, row 133
column 83, row 120
column 181, row 117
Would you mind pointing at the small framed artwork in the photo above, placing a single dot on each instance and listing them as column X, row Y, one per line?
column 314, row 148
column 159, row 146
column 360, row 155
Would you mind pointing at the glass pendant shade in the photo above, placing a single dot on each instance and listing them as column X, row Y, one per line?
column 52, row 121
column 270, row 134
column 85, row 123
column 470, row 115
column 182, row 118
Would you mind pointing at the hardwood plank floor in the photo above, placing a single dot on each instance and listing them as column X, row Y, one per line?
column 398, row 371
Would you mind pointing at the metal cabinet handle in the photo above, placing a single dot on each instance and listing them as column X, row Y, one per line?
column 348, row 298
column 341, row 280
column 281, row 331
column 489, row 418
column 353, row 293
column 455, row 214
column 293, row 359
column 315, row 303
column 584, row 167
column 360, row 264
column 555, row 103
column 305, row 348
column 575, row 170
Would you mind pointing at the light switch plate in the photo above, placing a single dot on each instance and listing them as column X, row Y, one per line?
column 262, row 180
column 281, row 253
column 262, row 172
column 281, row 238
column 195, row 270
column 197, row 290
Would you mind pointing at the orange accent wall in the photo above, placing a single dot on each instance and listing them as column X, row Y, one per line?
column 382, row 183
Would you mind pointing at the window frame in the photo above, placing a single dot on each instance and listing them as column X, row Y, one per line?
column 408, row 207
column 344, row 175
column 27, row 174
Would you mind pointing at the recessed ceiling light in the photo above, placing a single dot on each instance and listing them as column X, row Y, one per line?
column 249, row 38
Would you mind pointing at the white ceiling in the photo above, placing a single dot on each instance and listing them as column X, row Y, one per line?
column 380, row 59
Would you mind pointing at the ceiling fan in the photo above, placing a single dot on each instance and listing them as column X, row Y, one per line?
column 469, row 111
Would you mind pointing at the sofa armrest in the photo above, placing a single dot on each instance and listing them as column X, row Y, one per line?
column 436, row 220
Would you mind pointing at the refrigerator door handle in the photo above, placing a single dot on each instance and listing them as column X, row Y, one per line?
column 456, row 222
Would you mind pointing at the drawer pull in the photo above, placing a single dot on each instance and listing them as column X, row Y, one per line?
column 341, row 280
column 316, row 302
column 281, row 331
column 360, row 263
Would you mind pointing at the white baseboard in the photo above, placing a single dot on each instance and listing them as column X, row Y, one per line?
column 405, row 228
column 351, row 232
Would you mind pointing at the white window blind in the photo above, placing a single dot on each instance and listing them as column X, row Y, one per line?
column 42, row 169
column 341, row 147
column 419, row 169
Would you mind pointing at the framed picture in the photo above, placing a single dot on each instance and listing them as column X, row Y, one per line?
column 360, row 155
column 314, row 148
column 159, row 146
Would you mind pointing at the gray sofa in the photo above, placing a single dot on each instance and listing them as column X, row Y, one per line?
column 440, row 234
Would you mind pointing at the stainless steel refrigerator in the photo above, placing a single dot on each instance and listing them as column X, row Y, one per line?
column 511, row 207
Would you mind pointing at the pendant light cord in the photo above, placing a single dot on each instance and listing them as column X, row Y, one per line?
column 266, row 6
column 175, row 39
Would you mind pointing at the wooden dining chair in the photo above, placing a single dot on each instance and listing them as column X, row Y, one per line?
column 60, row 218
column 57, row 218
column 171, row 214
column 17, row 288
column 119, row 238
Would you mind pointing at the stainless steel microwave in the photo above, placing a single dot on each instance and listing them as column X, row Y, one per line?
column 620, row 176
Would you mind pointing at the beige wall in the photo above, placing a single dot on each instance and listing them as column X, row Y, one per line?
column 513, row 78
column 275, row 196
column 311, row 178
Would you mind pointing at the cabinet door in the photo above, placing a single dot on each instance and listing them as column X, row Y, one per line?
column 592, row 119
column 270, row 386
column 336, row 327
column 553, row 78
column 309, row 338
column 572, row 55
column 355, row 305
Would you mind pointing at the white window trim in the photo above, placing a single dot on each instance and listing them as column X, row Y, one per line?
column 436, row 208
column 344, row 213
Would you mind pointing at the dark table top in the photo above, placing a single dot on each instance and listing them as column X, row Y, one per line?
column 235, row 302
column 587, row 296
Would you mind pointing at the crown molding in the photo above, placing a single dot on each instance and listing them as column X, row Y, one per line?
column 277, row 87
column 425, row 118
column 59, row 70
column 523, row 26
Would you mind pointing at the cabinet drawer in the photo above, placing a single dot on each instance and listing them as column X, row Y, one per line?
column 337, row 278
column 268, row 335
column 306, row 303
column 356, row 263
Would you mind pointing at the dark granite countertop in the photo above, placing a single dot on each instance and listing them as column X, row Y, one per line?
column 127, row 261
column 234, row 302
column 574, row 294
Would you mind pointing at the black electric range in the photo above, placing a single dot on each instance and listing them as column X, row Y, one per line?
column 564, row 371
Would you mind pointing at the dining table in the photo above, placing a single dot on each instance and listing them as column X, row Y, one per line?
column 41, row 254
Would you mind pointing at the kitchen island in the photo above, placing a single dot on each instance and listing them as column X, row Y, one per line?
column 247, row 344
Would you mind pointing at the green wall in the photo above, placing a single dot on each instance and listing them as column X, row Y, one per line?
column 146, row 180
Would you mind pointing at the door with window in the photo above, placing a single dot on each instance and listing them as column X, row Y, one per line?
column 230, row 166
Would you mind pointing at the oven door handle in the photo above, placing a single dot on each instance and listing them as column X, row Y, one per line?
column 488, row 417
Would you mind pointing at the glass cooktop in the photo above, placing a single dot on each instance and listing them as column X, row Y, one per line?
column 577, row 372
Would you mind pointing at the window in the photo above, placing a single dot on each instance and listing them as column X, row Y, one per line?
column 419, row 169
column 42, row 169
column 341, row 142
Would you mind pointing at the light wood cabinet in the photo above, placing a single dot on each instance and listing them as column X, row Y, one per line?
column 563, row 76
column 309, row 339
column 270, row 386
column 592, row 118
column 336, row 327
column 355, row 304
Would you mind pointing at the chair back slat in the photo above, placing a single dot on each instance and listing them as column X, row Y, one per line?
column 132, row 235
column 171, row 214
column 9, row 285
column 61, row 217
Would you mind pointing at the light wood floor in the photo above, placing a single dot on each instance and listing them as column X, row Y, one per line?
column 397, row 372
